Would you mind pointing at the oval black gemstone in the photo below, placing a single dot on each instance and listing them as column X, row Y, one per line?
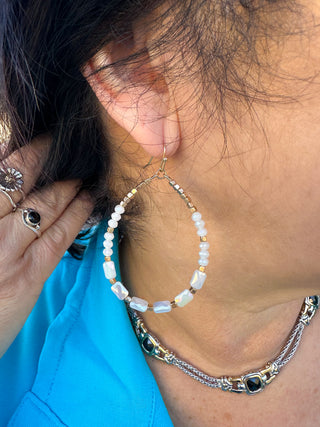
column 148, row 345
column 33, row 217
column 315, row 300
column 254, row 384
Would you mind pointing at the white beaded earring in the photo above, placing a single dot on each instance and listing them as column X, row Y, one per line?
column 199, row 275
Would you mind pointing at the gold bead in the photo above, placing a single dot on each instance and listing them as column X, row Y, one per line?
column 203, row 238
column 192, row 290
column 193, row 209
column 133, row 191
column 110, row 230
column 112, row 281
column 202, row 268
column 107, row 258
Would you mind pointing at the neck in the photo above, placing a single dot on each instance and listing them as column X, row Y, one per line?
column 249, row 302
column 225, row 329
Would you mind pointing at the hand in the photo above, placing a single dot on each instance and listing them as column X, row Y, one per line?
column 27, row 261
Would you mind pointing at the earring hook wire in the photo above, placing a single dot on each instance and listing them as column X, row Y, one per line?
column 163, row 161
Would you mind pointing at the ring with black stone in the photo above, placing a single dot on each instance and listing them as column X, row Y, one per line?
column 31, row 219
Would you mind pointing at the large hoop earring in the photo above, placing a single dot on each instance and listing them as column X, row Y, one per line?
column 199, row 275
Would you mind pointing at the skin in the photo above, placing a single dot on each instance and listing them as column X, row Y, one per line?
column 260, row 204
column 27, row 261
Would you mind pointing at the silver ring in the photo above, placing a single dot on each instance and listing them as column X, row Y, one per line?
column 31, row 219
column 10, row 181
column 14, row 206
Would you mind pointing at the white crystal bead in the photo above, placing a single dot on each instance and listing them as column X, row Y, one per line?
column 116, row 216
column 199, row 224
column 183, row 298
column 112, row 223
column 204, row 254
column 196, row 216
column 203, row 261
column 107, row 251
column 108, row 236
column 108, row 243
column 120, row 291
column 109, row 270
column 202, row 232
column 162, row 307
column 204, row 245
column 198, row 279
column 139, row 304
column 119, row 209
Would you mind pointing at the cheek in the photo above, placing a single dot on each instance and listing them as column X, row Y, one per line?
column 278, row 183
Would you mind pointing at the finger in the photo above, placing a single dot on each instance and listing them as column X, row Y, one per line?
column 50, row 203
column 28, row 161
column 45, row 253
column 36, row 266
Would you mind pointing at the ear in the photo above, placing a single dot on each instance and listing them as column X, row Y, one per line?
column 136, row 96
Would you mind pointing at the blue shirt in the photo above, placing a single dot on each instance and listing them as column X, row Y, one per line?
column 77, row 361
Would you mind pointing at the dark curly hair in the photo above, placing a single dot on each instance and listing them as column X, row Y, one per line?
column 44, row 44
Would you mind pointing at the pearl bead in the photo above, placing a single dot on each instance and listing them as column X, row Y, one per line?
column 204, row 245
column 109, row 270
column 139, row 304
column 203, row 254
column 108, row 243
column 116, row 216
column 183, row 298
column 112, row 223
column 107, row 251
column 120, row 291
column 202, row 232
column 162, row 307
column 196, row 216
column 199, row 224
column 203, row 261
column 198, row 279
column 119, row 209
column 108, row 236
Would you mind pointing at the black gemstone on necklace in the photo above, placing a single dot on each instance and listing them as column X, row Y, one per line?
column 315, row 300
column 33, row 217
column 148, row 345
column 254, row 384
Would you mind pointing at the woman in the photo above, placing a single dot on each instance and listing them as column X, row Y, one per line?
column 224, row 95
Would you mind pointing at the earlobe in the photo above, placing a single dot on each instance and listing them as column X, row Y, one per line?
column 138, row 99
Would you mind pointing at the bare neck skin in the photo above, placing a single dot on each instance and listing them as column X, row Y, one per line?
column 250, row 301
column 223, row 333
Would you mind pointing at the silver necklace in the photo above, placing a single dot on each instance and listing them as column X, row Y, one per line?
column 250, row 383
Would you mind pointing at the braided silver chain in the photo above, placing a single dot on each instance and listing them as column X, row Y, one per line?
column 250, row 383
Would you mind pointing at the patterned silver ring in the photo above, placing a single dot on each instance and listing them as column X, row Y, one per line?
column 10, row 180
column 31, row 219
